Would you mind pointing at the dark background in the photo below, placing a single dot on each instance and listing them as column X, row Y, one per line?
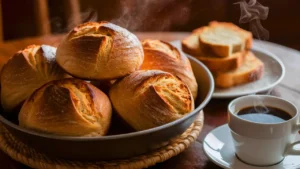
column 283, row 21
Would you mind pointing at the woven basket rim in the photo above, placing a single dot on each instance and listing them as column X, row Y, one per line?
column 30, row 157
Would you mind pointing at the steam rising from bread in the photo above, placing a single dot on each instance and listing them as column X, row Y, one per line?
column 253, row 12
column 142, row 15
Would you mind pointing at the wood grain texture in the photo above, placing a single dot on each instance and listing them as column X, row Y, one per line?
column 215, row 111
column 1, row 24
column 72, row 12
column 42, row 17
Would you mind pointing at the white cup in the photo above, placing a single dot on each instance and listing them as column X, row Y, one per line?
column 263, row 144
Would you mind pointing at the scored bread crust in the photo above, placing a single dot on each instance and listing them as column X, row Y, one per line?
column 150, row 98
column 26, row 71
column 163, row 56
column 215, row 64
column 69, row 107
column 251, row 70
column 100, row 51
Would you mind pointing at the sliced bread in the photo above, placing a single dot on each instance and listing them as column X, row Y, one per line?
column 223, row 39
column 215, row 64
column 252, row 69
column 190, row 44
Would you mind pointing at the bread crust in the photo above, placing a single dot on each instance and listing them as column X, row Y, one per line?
column 215, row 64
column 150, row 98
column 100, row 51
column 191, row 46
column 246, row 34
column 26, row 71
column 68, row 107
column 245, row 74
column 163, row 56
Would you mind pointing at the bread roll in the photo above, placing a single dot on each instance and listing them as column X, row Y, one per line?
column 150, row 98
column 100, row 51
column 68, row 107
column 163, row 56
column 26, row 71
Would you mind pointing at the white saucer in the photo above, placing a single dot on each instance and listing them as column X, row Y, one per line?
column 218, row 146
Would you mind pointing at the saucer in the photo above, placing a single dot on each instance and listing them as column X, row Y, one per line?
column 219, row 148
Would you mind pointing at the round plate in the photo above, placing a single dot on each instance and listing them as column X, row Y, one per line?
column 219, row 148
column 274, row 72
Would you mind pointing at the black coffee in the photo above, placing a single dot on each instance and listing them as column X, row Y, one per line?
column 260, row 114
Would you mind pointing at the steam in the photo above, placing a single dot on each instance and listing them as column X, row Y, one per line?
column 154, row 15
column 90, row 15
column 253, row 12
column 259, row 105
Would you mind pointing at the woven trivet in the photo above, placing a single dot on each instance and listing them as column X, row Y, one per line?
column 30, row 157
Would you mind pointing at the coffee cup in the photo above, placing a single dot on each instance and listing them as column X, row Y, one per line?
column 262, row 142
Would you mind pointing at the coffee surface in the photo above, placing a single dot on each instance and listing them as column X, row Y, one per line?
column 260, row 114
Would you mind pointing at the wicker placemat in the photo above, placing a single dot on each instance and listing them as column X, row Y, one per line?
column 28, row 156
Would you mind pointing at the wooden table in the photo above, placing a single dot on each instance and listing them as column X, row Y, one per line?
column 215, row 111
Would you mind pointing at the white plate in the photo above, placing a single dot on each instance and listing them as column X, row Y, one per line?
column 218, row 146
column 274, row 72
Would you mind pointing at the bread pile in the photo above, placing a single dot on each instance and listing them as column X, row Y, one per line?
column 225, row 49
column 148, row 83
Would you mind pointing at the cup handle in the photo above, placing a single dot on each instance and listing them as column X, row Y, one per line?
column 291, row 150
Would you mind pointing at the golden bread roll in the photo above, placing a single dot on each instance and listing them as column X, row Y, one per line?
column 100, row 51
column 26, row 71
column 68, row 107
column 163, row 56
column 150, row 98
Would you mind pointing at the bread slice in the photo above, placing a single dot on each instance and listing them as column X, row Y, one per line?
column 191, row 45
column 216, row 64
column 251, row 70
column 223, row 39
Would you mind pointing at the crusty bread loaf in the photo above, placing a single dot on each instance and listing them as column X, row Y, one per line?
column 223, row 39
column 252, row 69
column 26, row 71
column 68, row 107
column 100, row 51
column 150, row 98
column 215, row 64
column 163, row 56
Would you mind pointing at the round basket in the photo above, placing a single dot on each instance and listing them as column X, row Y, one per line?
column 30, row 157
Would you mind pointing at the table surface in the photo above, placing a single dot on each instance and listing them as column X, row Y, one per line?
column 215, row 111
